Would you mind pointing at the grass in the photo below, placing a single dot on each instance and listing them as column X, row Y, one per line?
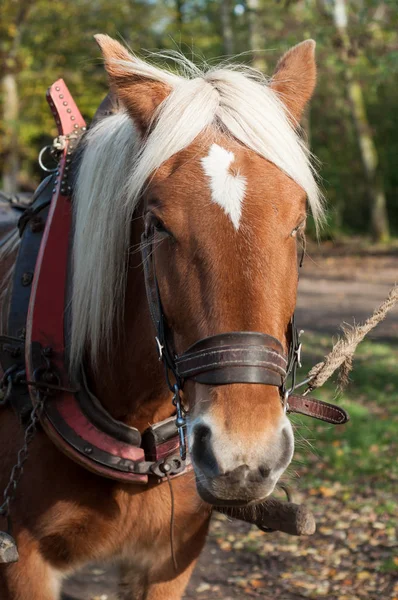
column 366, row 448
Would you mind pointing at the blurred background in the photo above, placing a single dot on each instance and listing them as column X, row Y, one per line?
column 348, row 476
column 352, row 124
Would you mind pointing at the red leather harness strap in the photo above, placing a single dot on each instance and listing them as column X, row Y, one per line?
column 63, row 418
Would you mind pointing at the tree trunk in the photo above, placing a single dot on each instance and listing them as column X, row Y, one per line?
column 256, row 36
column 9, row 67
column 10, row 117
column 179, row 11
column 379, row 219
column 226, row 27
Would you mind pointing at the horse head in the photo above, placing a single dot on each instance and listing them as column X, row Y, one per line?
column 213, row 167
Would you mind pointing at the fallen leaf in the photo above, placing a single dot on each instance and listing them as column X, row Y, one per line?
column 257, row 583
column 203, row 587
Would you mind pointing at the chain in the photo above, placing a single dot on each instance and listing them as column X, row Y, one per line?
column 6, row 385
column 18, row 468
column 180, row 421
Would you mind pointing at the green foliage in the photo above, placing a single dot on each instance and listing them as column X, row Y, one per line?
column 366, row 447
column 42, row 40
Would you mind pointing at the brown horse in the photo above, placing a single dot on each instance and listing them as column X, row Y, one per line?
column 212, row 163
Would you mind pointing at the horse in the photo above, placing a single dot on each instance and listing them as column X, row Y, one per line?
column 205, row 172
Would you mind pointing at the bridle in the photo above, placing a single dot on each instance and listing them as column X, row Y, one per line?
column 221, row 359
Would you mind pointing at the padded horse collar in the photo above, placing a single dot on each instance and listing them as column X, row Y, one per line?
column 33, row 354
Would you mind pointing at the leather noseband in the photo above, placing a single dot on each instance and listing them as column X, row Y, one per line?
column 235, row 357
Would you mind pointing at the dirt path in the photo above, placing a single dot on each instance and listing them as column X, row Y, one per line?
column 335, row 289
column 350, row 556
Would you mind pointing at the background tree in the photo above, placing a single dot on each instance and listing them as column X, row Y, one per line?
column 226, row 9
column 378, row 211
column 13, row 16
column 55, row 39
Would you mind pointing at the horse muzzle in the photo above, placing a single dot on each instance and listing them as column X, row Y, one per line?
column 232, row 472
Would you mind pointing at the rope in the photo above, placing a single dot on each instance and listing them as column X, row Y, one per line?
column 343, row 351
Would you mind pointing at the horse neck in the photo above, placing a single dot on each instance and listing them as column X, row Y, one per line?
column 130, row 382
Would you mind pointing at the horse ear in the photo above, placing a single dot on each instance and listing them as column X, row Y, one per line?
column 295, row 77
column 139, row 93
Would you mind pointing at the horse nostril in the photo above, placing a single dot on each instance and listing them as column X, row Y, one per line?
column 202, row 434
column 264, row 471
column 202, row 452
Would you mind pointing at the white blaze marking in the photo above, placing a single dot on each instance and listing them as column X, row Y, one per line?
column 227, row 190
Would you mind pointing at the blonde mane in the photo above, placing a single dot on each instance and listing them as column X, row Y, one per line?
column 116, row 164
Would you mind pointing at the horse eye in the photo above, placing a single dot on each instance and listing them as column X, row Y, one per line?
column 159, row 226
column 299, row 229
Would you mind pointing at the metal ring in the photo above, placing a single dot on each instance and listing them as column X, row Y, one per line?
column 40, row 160
column 285, row 403
column 304, row 382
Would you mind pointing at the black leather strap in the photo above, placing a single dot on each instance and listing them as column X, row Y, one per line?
column 29, row 247
column 100, row 417
column 31, row 225
column 40, row 200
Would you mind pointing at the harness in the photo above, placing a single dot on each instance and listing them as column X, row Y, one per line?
column 232, row 357
column 33, row 354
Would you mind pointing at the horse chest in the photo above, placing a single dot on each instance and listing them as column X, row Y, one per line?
column 125, row 523
column 147, row 538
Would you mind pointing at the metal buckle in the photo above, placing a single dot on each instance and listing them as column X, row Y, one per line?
column 302, row 383
column 298, row 355
column 160, row 348
column 172, row 465
column 285, row 403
